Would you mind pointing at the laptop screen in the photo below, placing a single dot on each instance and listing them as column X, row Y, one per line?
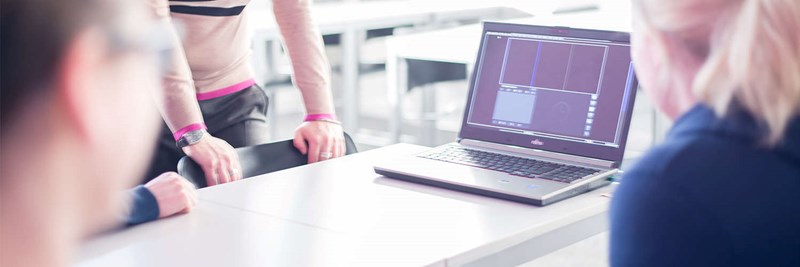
column 552, row 88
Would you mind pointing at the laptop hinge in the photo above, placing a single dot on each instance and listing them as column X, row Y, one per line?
column 538, row 153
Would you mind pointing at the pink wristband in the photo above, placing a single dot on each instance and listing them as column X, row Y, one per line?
column 322, row 116
column 191, row 127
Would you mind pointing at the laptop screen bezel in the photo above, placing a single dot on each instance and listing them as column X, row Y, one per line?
column 613, row 154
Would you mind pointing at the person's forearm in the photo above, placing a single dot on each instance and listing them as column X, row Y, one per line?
column 179, row 107
column 178, row 103
column 306, row 51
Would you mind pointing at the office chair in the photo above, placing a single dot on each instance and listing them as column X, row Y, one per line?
column 257, row 160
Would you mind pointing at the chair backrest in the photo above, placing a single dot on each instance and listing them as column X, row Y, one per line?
column 258, row 159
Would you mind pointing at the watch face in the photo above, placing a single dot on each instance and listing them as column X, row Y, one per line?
column 194, row 136
column 190, row 138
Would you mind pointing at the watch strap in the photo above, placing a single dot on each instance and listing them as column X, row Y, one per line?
column 191, row 127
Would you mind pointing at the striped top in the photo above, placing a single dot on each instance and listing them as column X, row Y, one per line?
column 216, row 42
column 214, row 48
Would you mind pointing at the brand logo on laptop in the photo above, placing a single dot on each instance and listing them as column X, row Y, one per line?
column 537, row 142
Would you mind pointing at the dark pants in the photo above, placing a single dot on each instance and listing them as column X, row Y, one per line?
column 239, row 118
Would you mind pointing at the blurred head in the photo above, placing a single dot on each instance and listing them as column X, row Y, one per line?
column 721, row 52
column 78, row 75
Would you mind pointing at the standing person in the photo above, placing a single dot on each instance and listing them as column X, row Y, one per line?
column 72, row 72
column 723, row 188
column 213, row 103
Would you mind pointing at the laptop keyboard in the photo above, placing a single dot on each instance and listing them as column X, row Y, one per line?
column 518, row 166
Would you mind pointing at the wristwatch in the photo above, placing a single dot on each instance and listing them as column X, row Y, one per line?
column 190, row 138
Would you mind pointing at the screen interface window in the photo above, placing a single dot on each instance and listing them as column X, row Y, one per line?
column 556, row 87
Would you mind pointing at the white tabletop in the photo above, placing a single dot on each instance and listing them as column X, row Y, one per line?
column 214, row 235
column 337, row 213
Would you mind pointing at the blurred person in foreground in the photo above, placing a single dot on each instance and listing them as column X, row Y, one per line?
column 724, row 187
column 78, row 118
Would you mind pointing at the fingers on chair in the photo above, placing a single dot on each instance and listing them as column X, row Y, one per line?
column 224, row 166
column 236, row 165
column 341, row 147
column 212, row 177
column 300, row 143
column 314, row 150
column 332, row 148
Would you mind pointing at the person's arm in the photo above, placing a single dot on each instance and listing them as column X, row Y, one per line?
column 167, row 194
column 178, row 104
column 180, row 110
column 320, row 136
column 143, row 206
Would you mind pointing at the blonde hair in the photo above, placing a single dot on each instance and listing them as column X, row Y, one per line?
column 750, row 51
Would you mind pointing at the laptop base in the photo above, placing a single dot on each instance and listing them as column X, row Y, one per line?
column 493, row 194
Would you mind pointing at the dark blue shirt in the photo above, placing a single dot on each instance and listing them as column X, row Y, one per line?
column 711, row 195
column 144, row 207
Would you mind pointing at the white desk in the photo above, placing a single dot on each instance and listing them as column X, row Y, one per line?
column 340, row 213
column 352, row 20
column 214, row 235
column 460, row 45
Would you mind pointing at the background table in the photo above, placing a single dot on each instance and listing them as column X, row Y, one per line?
column 340, row 213
column 352, row 20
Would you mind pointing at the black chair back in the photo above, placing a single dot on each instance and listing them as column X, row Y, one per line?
column 257, row 160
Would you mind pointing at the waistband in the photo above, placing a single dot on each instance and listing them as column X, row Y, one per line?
column 226, row 90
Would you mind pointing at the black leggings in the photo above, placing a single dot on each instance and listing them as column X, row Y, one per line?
column 239, row 118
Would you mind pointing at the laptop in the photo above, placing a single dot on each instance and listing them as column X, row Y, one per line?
column 546, row 118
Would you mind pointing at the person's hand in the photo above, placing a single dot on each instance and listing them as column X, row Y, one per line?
column 325, row 140
column 173, row 193
column 218, row 159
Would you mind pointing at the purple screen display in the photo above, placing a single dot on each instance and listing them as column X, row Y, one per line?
column 569, row 89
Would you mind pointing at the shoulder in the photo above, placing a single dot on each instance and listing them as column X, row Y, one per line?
column 656, row 214
column 670, row 167
column 701, row 196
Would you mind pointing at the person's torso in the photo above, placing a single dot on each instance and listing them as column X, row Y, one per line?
column 751, row 191
column 216, row 40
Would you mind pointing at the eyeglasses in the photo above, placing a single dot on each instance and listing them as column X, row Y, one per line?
column 155, row 41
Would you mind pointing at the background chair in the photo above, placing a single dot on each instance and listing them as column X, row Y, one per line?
column 258, row 159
